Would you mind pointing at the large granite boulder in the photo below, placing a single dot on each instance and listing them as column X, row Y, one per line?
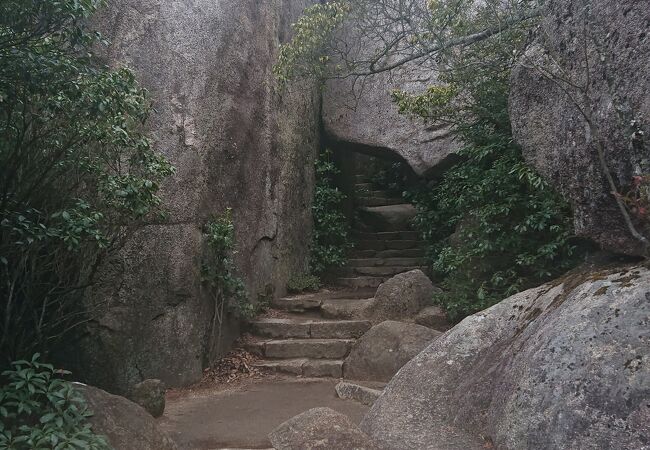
column 615, row 45
column 359, row 111
column 125, row 424
column 565, row 365
column 236, row 142
column 385, row 348
column 402, row 297
column 320, row 428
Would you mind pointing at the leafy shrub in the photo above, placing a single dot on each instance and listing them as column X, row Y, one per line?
column 303, row 283
column 40, row 410
column 77, row 173
column 494, row 226
column 331, row 236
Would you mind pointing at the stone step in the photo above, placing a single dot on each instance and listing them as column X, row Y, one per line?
column 377, row 245
column 361, row 178
column 381, row 262
column 408, row 253
column 363, row 394
column 304, row 367
column 360, row 282
column 387, row 236
column 363, row 187
column 377, row 271
column 346, row 309
column 387, row 218
column 305, row 302
column 378, row 201
column 301, row 348
column 297, row 328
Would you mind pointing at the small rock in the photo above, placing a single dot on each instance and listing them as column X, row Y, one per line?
column 433, row 317
column 402, row 297
column 320, row 428
column 356, row 392
column 150, row 394
column 125, row 424
column 383, row 350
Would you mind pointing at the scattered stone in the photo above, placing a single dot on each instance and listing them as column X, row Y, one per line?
column 362, row 394
column 576, row 351
column 150, row 394
column 320, row 428
column 402, row 297
column 383, row 350
column 126, row 425
column 433, row 317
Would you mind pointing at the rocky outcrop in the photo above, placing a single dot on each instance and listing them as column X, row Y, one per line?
column 383, row 350
column 236, row 142
column 550, row 127
column 126, row 425
column 433, row 317
column 150, row 394
column 565, row 365
column 360, row 112
column 320, row 428
column 402, row 297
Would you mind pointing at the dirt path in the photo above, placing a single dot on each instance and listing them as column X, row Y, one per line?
column 242, row 416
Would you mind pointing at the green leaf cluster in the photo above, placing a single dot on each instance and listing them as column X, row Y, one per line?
column 303, row 282
column 77, row 173
column 41, row 411
column 305, row 55
column 493, row 225
column 218, row 270
column 331, row 235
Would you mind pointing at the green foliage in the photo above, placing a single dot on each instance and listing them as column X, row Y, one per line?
column 303, row 283
column 306, row 55
column 40, row 410
column 331, row 237
column 494, row 226
column 77, row 173
column 218, row 268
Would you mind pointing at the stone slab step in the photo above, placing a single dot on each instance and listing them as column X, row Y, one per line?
column 377, row 271
column 306, row 302
column 400, row 244
column 384, row 262
column 387, row 235
column 378, row 201
column 408, row 253
column 346, row 309
column 295, row 328
column 350, row 391
column 363, row 187
column 301, row 348
column 360, row 282
column 305, row 367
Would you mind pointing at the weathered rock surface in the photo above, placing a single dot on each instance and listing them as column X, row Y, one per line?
column 361, row 112
column 320, row 428
column 559, row 366
column 383, row 350
column 387, row 218
column 235, row 142
column 126, row 425
column 402, row 297
column 362, row 394
column 551, row 129
column 150, row 394
column 433, row 317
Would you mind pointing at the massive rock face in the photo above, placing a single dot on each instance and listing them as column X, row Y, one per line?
column 615, row 85
column 559, row 366
column 360, row 112
column 236, row 142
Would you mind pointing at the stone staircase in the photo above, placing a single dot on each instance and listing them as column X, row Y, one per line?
column 384, row 243
column 310, row 335
column 300, row 340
